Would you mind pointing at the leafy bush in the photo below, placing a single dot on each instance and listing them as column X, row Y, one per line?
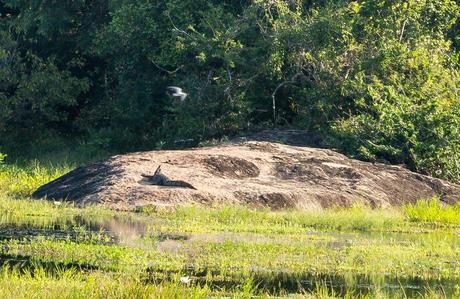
column 2, row 159
column 394, row 97
column 409, row 116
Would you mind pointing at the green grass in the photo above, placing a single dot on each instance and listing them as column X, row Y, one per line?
column 22, row 181
column 244, row 219
column 432, row 211
column 226, row 250
column 73, row 284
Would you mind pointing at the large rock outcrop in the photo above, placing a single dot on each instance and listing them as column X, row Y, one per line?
column 256, row 173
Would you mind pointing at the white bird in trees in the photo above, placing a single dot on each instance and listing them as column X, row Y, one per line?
column 177, row 92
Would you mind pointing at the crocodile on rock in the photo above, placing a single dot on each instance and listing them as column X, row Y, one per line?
column 160, row 179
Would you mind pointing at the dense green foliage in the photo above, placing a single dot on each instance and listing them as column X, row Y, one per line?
column 380, row 79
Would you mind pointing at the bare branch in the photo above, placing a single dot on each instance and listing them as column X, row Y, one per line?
column 228, row 90
column 402, row 30
column 165, row 70
column 175, row 27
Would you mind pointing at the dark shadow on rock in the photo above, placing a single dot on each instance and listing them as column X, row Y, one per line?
column 78, row 183
column 289, row 137
column 228, row 166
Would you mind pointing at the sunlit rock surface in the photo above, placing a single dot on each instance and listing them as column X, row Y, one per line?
column 256, row 173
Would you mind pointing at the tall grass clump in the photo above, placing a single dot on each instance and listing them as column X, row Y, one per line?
column 38, row 283
column 239, row 218
column 433, row 211
column 356, row 218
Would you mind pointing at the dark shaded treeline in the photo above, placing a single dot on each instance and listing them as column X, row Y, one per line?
column 379, row 79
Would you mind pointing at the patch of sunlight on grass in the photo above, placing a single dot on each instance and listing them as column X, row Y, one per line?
column 70, row 283
column 433, row 211
column 73, row 284
column 23, row 181
column 240, row 218
column 356, row 218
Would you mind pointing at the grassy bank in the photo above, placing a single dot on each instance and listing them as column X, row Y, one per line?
column 58, row 250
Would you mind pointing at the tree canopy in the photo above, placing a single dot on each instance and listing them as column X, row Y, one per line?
column 378, row 79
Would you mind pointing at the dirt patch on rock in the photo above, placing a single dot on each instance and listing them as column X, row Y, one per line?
column 307, row 172
column 233, row 167
column 260, row 174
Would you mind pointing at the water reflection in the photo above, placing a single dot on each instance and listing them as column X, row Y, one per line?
column 135, row 232
column 119, row 230
column 338, row 285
